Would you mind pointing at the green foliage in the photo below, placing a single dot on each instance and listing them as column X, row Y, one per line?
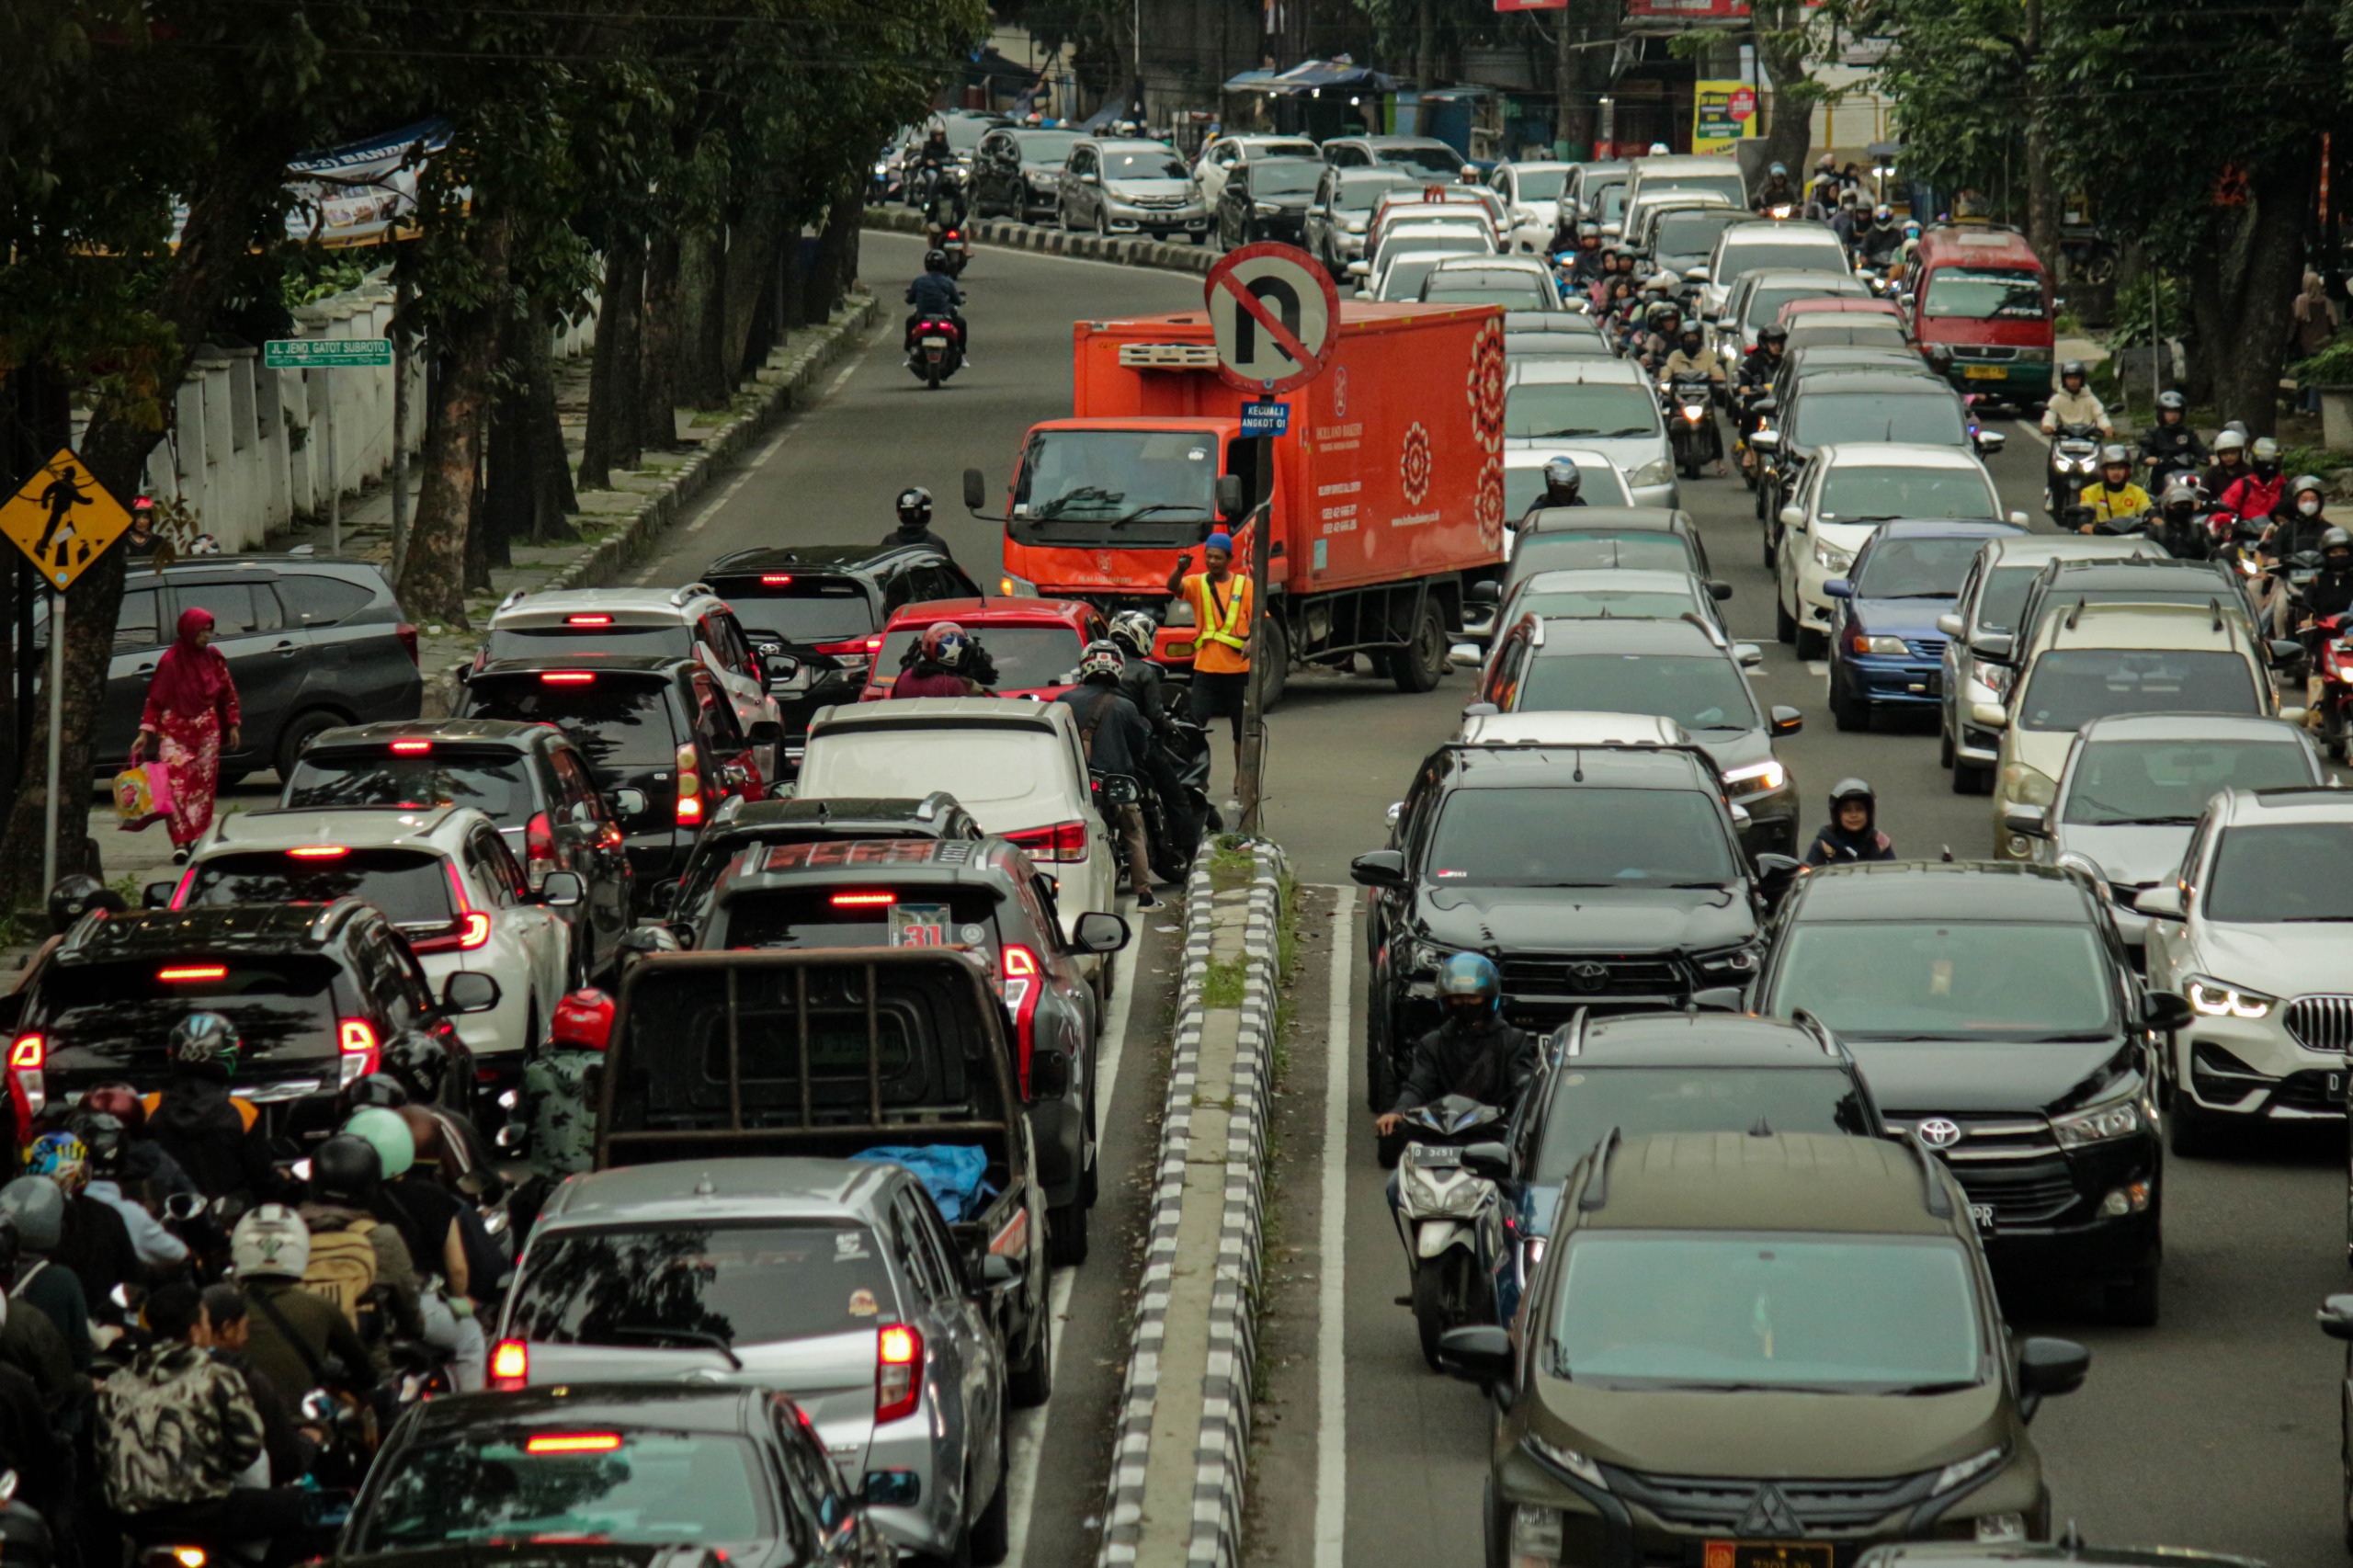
column 2133, row 304
column 2333, row 366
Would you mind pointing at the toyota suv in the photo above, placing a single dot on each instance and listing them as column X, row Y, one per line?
column 1998, row 1018
column 1759, row 1348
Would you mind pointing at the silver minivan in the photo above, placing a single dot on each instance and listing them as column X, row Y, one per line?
column 834, row 1281
column 1130, row 187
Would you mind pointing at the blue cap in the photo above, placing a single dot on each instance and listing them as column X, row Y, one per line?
column 1219, row 541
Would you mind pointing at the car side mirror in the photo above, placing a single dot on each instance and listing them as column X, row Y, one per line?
column 1487, row 591
column 2284, row 652
column 1492, row 1161
column 1720, row 998
column 1116, row 789
column 562, row 889
column 1359, row 269
column 1990, row 441
column 1749, row 655
column 157, row 895
column 2028, row 820
column 2016, row 519
column 1989, row 716
column 780, row 670
column 1096, row 932
column 2049, row 1368
column 1230, row 503
column 1479, row 1354
column 1791, row 518
column 1838, row 588
column 469, row 992
column 2335, row 1317
column 765, row 732
column 1378, row 868
column 627, row 803
column 1994, row 647
column 1465, row 657
column 1393, row 815
column 1786, row 720
column 1949, row 624
column 976, row 490
column 1772, row 867
column 1480, row 709
column 998, row 1270
column 661, row 896
column 1719, row 590
column 2160, row 902
column 2164, row 1012
column 1090, row 177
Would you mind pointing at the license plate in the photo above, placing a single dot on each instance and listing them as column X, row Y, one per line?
column 918, row 924
column 1985, row 372
column 1766, row 1554
column 935, row 343
column 1984, row 1215
column 1935, row 683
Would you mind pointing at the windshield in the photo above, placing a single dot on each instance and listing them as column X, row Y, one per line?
column 496, row 783
column 1876, row 494
column 1025, row 657
column 1742, row 257
column 1439, row 160
column 1359, row 192
column 616, row 723
column 1699, row 692
column 1915, row 568
column 991, row 764
column 1284, row 177
column 1847, row 329
column 1541, row 185
column 801, row 612
column 1519, row 346
column 1144, row 165
column 1623, row 604
column 2068, row 687
column 1512, row 293
column 1582, row 837
column 1915, row 980
column 1653, row 550
column 1612, row 198
column 1595, row 410
column 2294, row 872
column 1827, row 417
column 123, row 1011
column 2170, row 781
column 738, row 1284
column 1859, row 1314
column 672, row 639
column 856, row 917
column 1639, row 1100
column 658, row 1488
column 1984, row 295
column 1128, row 487
column 964, row 131
column 1046, row 146
column 411, row 887
column 1682, row 240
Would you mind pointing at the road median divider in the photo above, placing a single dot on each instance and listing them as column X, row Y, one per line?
column 1004, row 232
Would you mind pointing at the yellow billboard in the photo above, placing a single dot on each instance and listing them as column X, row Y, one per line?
column 1722, row 113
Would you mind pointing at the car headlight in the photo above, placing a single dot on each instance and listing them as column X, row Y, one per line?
column 1353, row 223
column 1535, row 1536
column 1575, row 1463
column 1756, row 779
column 1266, row 208
column 2116, row 1118
column 1414, row 953
column 1014, row 587
column 1864, row 642
column 881, row 169
column 1962, row 1471
column 1740, row 959
column 2216, row 1000
column 2029, row 786
column 1830, row 558
column 1657, row 471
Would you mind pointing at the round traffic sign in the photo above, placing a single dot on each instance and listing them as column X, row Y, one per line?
column 1275, row 314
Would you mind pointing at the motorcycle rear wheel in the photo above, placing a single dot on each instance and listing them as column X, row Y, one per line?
column 1433, row 1301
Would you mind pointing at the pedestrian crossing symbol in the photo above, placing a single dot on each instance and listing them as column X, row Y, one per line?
column 63, row 519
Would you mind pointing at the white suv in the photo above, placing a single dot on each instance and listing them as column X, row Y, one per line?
column 440, row 873
column 2257, row 931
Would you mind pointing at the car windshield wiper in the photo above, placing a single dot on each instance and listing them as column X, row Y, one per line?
column 1744, row 1387
column 1955, row 1385
column 1161, row 506
column 1931, row 593
column 681, row 1337
column 2145, row 821
column 1555, row 435
column 2316, row 919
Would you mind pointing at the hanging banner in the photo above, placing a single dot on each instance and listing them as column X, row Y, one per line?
column 362, row 193
column 1531, row 5
column 1721, row 114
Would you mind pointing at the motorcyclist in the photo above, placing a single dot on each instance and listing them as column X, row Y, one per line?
column 97, row 1244
column 1662, row 328
column 2115, row 499
column 1758, row 368
column 34, row 1210
column 1116, row 740
column 935, row 153
column 1884, row 241
column 2303, row 520
column 32, row 1441
column 1853, row 831
column 1694, row 362
column 1142, row 682
column 1847, row 221
column 914, row 522
column 1822, row 192
column 2259, row 493
column 428, row 1210
column 2229, row 465
column 942, row 657
column 1474, row 1053
column 145, row 1171
column 299, row 1340
column 2331, row 593
column 1592, row 262
column 2170, row 445
column 290, row 1451
column 1775, row 192
column 345, row 1198
column 935, row 294
column 1564, row 487
column 2073, row 403
column 206, row 1133
column 104, row 1139
column 2177, row 523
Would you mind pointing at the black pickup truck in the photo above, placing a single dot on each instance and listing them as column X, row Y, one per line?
column 827, row 1052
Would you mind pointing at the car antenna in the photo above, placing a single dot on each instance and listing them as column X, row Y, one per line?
column 2071, row 1539
column 1597, row 1186
column 2216, row 606
column 1762, row 1129
column 1946, row 856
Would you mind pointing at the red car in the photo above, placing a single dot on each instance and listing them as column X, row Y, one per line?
column 1033, row 642
column 1847, row 304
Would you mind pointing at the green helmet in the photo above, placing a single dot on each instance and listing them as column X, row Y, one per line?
column 388, row 1134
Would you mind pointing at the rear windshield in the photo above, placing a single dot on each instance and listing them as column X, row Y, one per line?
column 1638, row 1102
column 1684, row 239
column 1595, row 410
column 989, row 765
column 1437, row 159
column 1742, row 257
column 496, row 782
column 1991, row 294
column 1652, row 550
column 411, row 887
column 1765, row 304
column 1541, row 185
column 1601, row 487
column 1284, row 177
column 673, row 641
column 679, row 1287
column 616, row 723
column 856, row 917
column 2068, row 687
column 1511, row 293
column 803, row 610
column 125, row 1009
column 1025, row 657
column 1916, row 568
column 1698, row 691
column 649, row 1488
column 1829, row 417
column 1847, row 330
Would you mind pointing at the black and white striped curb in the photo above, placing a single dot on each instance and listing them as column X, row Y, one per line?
column 1004, row 232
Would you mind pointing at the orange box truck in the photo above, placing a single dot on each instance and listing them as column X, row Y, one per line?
column 1385, row 499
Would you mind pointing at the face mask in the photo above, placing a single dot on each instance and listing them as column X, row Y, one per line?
column 2309, row 508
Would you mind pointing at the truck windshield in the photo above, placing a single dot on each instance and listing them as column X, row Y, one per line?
column 1124, row 487
column 1987, row 295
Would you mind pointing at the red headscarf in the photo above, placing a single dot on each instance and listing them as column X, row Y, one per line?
column 189, row 679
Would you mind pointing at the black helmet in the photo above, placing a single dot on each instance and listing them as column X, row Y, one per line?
column 1468, row 983
column 75, row 896
column 11, row 1247
column 2072, row 367
column 418, row 1062
column 1773, row 332
column 2180, row 499
column 345, row 1169
column 1562, row 476
column 2171, row 401
column 206, row 1045
column 1662, row 311
column 378, row 1089
column 915, row 507
column 935, row 261
column 1691, row 330
column 102, row 1139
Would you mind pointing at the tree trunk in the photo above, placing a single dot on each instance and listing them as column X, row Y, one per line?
column 837, row 263
column 610, row 440
column 2206, row 316
column 2266, row 258
column 552, row 493
column 706, row 379
column 792, row 307
column 1788, row 128
column 750, row 290
column 2041, row 188
column 1425, row 54
column 657, row 390
column 432, row 578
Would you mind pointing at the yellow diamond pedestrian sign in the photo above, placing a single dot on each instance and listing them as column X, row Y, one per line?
column 63, row 519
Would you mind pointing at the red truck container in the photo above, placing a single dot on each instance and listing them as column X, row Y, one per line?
column 1387, row 492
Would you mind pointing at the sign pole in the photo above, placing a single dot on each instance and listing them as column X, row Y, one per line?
column 335, row 484
column 56, row 735
column 1249, row 761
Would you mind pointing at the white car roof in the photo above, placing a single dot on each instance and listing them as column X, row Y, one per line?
column 1631, row 579
column 435, row 831
column 1597, row 370
column 667, row 605
column 1528, row 265
column 2315, row 802
column 2033, row 550
column 1895, row 454
column 941, row 714
column 1572, row 729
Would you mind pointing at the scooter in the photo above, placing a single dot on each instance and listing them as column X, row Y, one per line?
column 935, row 349
column 1689, row 403
column 1442, row 1210
column 2075, row 459
column 2331, row 639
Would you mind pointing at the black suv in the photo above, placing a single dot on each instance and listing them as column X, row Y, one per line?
column 740, row 823
column 660, row 727
column 825, row 605
column 317, row 992
column 311, row 642
column 1601, row 876
column 1996, row 1013
column 530, row 779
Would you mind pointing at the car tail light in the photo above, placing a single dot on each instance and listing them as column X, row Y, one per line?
column 1017, row 985
column 411, row 748
column 179, row 893
column 862, row 899
column 573, row 1443
column 776, row 579
column 510, row 1364
column 689, row 786
column 26, row 1054
column 568, row 678
column 854, row 648
column 407, row 634
column 1065, row 842
column 898, row 1371
column 468, row 927
column 320, row 852
column 538, row 847
column 356, row 1039
column 587, row 620
column 186, row 971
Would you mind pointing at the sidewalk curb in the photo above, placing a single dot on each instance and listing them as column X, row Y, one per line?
column 1157, row 255
column 1209, row 1536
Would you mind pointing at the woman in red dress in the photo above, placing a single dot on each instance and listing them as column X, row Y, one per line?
column 192, row 709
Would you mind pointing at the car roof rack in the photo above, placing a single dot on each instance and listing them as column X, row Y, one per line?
column 1571, row 1036
column 1597, row 1186
column 692, row 591
column 1805, row 1020
column 1939, row 1201
column 1715, row 633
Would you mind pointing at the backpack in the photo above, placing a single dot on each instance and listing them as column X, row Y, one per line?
column 343, row 1268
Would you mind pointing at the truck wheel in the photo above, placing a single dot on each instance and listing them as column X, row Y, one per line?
column 1277, row 664
column 1030, row 1384
column 1417, row 665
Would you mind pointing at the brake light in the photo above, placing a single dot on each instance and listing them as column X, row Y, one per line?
column 862, row 899
column 1064, row 843
column 689, row 786
column 407, row 634
column 356, row 1039
column 26, row 1086
column 568, row 678
column 776, row 579
column 193, row 971
column 410, row 749
column 587, row 620
column 179, row 893
column 28, row 1053
column 474, row 924
column 1019, row 961
column 1019, row 990
column 538, row 847
column 510, row 1364
column 898, row 1371
column 320, row 852
column 573, row 1443
column 855, row 648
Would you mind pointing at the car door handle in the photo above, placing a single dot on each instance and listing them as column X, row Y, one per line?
column 287, row 647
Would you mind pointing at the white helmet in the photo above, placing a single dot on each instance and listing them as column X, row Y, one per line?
column 270, row 1241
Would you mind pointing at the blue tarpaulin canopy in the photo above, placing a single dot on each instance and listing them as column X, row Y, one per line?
column 1310, row 75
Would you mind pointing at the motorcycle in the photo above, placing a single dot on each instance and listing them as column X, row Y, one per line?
column 24, row 1534
column 2331, row 639
column 936, row 347
column 2075, row 459
column 949, row 241
column 1443, row 1213
column 1689, row 404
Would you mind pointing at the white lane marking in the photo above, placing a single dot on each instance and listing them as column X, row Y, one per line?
column 1819, row 666
column 2035, row 431
column 1029, row 1426
column 1331, row 1326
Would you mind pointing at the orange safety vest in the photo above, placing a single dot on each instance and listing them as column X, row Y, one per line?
column 1222, row 635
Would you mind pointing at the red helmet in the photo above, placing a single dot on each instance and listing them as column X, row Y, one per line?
column 583, row 1020
column 119, row 1101
column 945, row 644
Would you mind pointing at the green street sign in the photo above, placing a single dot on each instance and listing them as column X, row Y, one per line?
column 327, row 353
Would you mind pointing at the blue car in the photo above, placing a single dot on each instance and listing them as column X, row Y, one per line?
column 1885, row 650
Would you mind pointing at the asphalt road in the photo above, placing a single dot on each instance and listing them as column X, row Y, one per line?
column 2217, row 1429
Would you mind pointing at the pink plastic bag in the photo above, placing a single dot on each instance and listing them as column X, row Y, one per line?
column 142, row 795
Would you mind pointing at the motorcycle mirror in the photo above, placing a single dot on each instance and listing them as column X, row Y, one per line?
column 1492, row 1161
